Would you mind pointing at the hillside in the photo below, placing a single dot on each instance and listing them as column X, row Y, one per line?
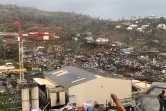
column 33, row 19
column 68, row 24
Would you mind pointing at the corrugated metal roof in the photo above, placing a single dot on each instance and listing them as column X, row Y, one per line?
column 140, row 83
column 43, row 81
column 70, row 76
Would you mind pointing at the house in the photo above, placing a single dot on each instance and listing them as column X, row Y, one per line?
column 117, row 27
column 117, row 44
column 137, row 22
column 140, row 29
column 161, row 26
column 88, row 37
column 101, row 41
column 79, row 85
column 86, row 34
column 144, row 26
column 7, row 67
column 129, row 28
column 126, row 23
column 133, row 26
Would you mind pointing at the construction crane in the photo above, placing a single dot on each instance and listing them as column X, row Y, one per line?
column 21, row 58
column 20, row 41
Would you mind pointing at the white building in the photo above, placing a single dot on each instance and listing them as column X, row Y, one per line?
column 101, row 41
column 133, row 26
column 88, row 37
column 161, row 26
column 76, row 85
column 129, row 28
column 140, row 29
column 117, row 27
column 7, row 67
column 144, row 26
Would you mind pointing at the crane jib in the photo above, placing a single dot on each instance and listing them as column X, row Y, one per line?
column 25, row 35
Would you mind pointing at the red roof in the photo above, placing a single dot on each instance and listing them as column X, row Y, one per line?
column 126, row 23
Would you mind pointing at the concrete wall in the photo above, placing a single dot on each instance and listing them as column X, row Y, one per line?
column 56, row 84
column 25, row 99
column 101, row 89
column 62, row 98
column 53, row 97
column 35, row 97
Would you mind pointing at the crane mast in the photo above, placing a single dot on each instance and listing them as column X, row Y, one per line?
column 20, row 43
column 21, row 60
column 21, row 51
column 24, row 87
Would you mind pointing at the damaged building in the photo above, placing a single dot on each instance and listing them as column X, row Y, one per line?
column 77, row 86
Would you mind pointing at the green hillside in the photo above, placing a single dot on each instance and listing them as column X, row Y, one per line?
column 68, row 24
column 33, row 19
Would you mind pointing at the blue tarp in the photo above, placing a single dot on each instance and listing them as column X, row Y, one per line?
column 126, row 50
column 26, row 50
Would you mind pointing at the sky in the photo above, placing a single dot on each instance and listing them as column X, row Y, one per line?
column 114, row 9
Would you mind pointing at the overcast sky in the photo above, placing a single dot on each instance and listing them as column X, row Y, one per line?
column 113, row 9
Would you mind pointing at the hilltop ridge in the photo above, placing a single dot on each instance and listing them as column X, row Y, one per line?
column 69, row 24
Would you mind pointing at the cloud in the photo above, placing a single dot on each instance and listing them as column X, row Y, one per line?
column 104, row 8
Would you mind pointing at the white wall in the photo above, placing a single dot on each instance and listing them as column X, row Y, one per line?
column 62, row 98
column 53, row 97
column 25, row 99
column 35, row 97
column 101, row 89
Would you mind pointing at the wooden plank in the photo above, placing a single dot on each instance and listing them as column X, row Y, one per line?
column 119, row 105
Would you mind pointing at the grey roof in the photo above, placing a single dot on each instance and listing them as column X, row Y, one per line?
column 161, row 84
column 74, row 76
column 104, row 73
column 149, row 101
